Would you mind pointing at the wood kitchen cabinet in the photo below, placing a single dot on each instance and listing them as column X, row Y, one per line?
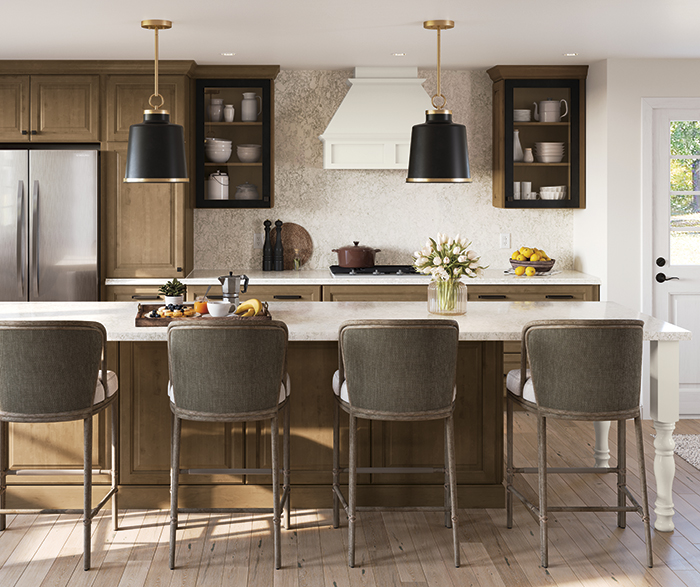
column 518, row 87
column 49, row 108
column 375, row 293
column 144, row 224
column 127, row 97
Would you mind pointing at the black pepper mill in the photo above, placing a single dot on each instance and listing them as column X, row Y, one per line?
column 279, row 251
column 267, row 248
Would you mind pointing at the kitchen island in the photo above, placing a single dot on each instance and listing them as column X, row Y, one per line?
column 137, row 354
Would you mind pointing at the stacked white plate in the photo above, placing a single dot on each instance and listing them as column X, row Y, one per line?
column 549, row 152
column 521, row 115
column 553, row 192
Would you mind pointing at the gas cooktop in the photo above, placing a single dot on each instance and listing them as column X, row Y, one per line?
column 376, row 270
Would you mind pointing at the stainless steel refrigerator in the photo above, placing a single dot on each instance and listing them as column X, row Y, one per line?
column 48, row 224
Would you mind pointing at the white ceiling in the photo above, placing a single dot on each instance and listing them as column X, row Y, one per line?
column 337, row 34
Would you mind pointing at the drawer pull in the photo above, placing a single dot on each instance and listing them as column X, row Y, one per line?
column 145, row 297
column 493, row 297
column 559, row 297
column 290, row 297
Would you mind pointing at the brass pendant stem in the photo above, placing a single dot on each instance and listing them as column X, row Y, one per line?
column 438, row 25
column 156, row 25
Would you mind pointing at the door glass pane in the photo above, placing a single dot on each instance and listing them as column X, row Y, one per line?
column 684, row 192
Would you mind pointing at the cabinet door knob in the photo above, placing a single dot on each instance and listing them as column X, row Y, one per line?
column 24, row 132
column 34, row 132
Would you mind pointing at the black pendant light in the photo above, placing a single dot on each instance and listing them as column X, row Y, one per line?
column 156, row 152
column 438, row 146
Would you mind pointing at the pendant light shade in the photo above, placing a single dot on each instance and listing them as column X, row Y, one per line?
column 438, row 152
column 156, row 152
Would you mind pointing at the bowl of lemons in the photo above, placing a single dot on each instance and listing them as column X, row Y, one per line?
column 530, row 261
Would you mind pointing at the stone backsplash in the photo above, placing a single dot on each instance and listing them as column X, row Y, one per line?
column 376, row 207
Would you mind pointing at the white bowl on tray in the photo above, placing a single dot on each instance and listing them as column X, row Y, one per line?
column 218, row 308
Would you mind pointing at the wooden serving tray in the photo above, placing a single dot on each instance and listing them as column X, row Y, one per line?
column 144, row 309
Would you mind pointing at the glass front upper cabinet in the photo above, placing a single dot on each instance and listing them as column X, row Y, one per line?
column 539, row 136
column 234, row 143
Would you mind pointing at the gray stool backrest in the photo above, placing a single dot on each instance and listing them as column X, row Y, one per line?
column 49, row 367
column 585, row 366
column 399, row 365
column 227, row 367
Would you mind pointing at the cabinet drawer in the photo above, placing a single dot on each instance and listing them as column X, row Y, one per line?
column 133, row 293
column 533, row 293
column 375, row 293
column 265, row 293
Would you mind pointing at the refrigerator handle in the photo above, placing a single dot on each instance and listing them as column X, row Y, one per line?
column 21, row 246
column 35, row 236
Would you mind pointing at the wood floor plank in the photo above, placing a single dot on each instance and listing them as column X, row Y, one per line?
column 188, row 554
column 402, row 547
column 143, row 553
column 334, row 554
column 309, row 556
column 260, row 560
column 482, row 565
column 238, row 548
column 379, row 551
column 40, row 565
column 25, row 550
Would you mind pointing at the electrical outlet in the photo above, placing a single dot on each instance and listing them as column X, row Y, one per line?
column 258, row 240
column 505, row 240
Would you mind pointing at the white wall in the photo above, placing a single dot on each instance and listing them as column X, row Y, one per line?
column 619, row 85
column 376, row 207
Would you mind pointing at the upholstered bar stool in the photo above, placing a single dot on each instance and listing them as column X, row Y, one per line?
column 401, row 370
column 224, row 371
column 579, row 370
column 55, row 371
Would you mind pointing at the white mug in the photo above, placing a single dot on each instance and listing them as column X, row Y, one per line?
column 516, row 190
column 525, row 188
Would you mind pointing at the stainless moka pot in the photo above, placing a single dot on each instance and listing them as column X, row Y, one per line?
column 231, row 286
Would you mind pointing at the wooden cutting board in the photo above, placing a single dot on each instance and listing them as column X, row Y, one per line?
column 293, row 237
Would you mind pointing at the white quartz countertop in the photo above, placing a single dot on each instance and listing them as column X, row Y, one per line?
column 324, row 277
column 319, row 321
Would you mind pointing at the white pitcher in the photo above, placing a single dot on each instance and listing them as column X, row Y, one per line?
column 249, row 107
column 550, row 110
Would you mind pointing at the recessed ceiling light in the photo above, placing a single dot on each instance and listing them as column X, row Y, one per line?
column 570, row 54
column 228, row 54
column 399, row 54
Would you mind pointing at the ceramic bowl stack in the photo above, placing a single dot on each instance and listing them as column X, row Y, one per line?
column 549, row 152
column 217, row 150
column 553, row 192
column 249, row 153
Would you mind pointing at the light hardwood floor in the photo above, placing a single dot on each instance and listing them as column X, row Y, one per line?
column 402, row 549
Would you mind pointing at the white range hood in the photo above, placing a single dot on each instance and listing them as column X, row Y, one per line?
column 372, row 127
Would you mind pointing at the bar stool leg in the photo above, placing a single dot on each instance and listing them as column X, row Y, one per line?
column 285, row 464
column 115, row 444
column 542, row 468
column 87, row 490
column 3, row 471
column 276, row 537
column 509, row 461
column 621, row 471
column 174, row 479
column 336, row 465
column 446, row 483
column 352, row 487
column 451, row 465
column 645, row 497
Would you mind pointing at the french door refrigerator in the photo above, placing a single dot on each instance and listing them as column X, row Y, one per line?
column 48, row 223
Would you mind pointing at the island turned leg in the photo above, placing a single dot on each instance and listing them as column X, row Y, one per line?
column 602, row 449
column 664, row 389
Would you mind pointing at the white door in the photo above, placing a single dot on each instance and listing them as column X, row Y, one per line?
column 676, row 237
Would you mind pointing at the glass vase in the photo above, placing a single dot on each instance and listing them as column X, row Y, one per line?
column 447, row 297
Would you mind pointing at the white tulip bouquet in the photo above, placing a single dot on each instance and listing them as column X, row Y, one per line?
column 447, row 260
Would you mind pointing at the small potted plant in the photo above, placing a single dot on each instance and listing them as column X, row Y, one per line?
column 174, row 292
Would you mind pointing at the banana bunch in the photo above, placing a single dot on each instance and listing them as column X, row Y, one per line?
column 252, row 307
